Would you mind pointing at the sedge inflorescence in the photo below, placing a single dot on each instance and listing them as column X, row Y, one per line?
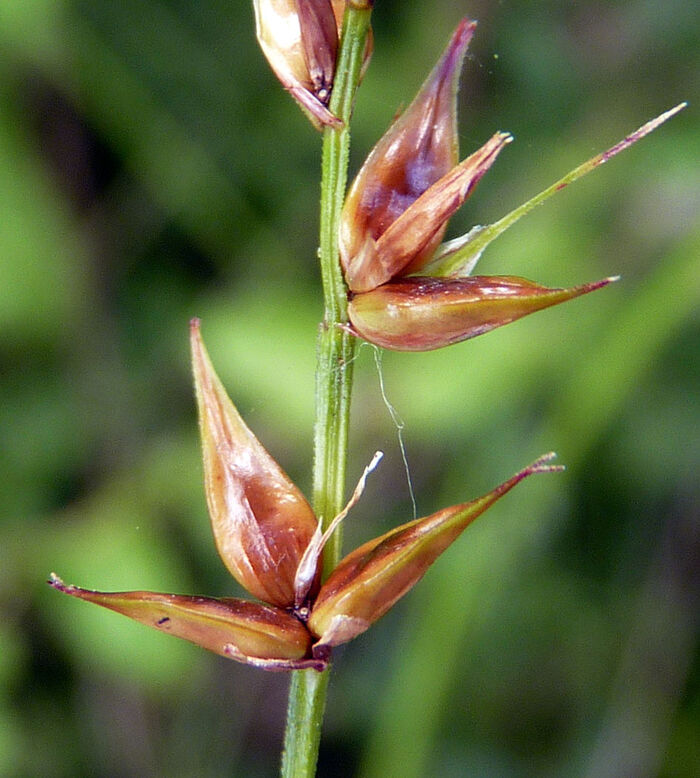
column 407, row 291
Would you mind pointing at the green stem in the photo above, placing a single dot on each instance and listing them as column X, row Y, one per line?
column 335, row 351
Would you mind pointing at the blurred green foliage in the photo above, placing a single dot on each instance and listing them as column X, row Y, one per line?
column 152, row 170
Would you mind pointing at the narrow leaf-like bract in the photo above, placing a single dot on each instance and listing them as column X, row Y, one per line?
column 458, row 257
column 372, row 578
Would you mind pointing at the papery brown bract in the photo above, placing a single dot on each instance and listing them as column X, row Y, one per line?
column 425, row 313
column 261, row 521
column 246, row 631
column 319, row 44
column 299, row 39
column 367, row 582
column 410, row 241
column 397, row 208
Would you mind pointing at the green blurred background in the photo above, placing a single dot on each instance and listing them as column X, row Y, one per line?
column 152, row 169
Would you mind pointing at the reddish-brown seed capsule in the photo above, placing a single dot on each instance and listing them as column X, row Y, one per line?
column 299, row 38
column 425, row 313
column 365, row 585
column 397, row 208
column 262, row 523
column 248, row 632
